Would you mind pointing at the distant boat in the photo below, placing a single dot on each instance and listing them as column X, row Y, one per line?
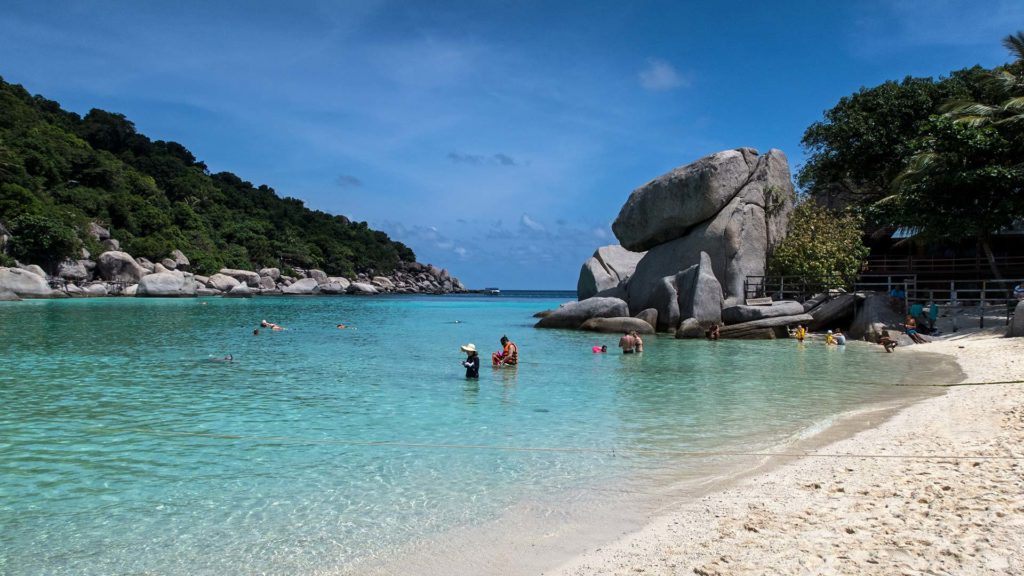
column 494, row 291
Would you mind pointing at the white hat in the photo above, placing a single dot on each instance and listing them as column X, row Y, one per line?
column 469, row 347
column 829, row 332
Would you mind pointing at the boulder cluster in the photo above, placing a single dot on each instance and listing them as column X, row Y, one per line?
column 689, row 240
column 117, row 273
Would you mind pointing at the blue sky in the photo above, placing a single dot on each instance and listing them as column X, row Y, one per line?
column 497, row 139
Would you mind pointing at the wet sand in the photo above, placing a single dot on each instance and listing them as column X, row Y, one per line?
column 938, row 488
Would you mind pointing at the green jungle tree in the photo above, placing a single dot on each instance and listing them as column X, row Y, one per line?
column 822, row 247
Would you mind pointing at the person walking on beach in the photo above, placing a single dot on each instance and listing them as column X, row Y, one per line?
column 509, row 354
column 627, row 343
column 472, row 361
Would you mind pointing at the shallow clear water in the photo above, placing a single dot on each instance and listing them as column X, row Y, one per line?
column 124, row 449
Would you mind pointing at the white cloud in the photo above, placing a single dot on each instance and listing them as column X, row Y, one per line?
column 660, row 76
column 531, row 224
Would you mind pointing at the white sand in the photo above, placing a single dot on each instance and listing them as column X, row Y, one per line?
column 937, row 489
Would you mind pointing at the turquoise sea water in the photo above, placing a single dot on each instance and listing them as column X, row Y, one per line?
column 125, row 450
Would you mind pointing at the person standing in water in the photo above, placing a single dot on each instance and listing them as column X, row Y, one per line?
column 638, row 343
column 509, row 354
column 627, row 343
column 472, row 361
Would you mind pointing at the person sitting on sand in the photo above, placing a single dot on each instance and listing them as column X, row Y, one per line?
column 509, row 354
column 911, row 327
column 472, row 361
column 886, row 341
column 600, row 349
column 638, row 343
column 627, row 343
column 271, row 325
column 829, row 339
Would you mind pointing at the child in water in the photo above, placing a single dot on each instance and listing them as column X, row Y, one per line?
column 602, row 349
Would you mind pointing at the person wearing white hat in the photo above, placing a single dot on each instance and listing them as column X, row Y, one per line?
column 472, row 362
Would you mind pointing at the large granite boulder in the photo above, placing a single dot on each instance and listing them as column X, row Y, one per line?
column 73, row 270
column 8, row 296
column 319, row 275
column 765, row 328
column 24, row 283
column 362, row 288
column 98, row 232
column 267, row 283
column 617, row 325
column 607, row 268
column 114, row 266
column 649, row 315
column 180, row 261
column 240, row 291
column 743, row 313
column 73, row 290
column 666, row 207
column 167, row 285
column 383, row 282
column 334, row 288
column 246, row 276
column 145, row 263
column 574, row 314
column 873, row 315
column 111, row 245
column 838, row 310
column 274, row 273
column 663, row 297
column 339, row 280
column 96, row 289
column 221, row 282
column 1016, row 328
column 737, row 237
column 700, row 293
column 35, row 269
column 690, row 328
column 303, row 287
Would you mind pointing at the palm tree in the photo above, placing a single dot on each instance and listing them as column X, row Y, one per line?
column 1003, row 81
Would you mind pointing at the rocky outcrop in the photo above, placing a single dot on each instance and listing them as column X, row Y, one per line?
column 334, row 288
column 741, row 314
column 8, row 296
column 145, row 263
column 98, row 232
column 617, row 325
column 250, row 278
column 574, row 314
column 119, row 267
column 319, row 275
column 24, row 284
column 37, row 270
column 111, row 245
column 765, row 328
column 73, row 271
column 167, row 285
column 690, row 328
column 304, row 287
column 650, row 316
column 272, row 273
column 222, row 282
column 240, row 291
column 169, row 264
column 838, row 310
column 733, row 205
column 97, row 289
column 180, row 261
column 361, row 288
column 700, row 294
column 873, row 315
column 607, row 268
column 382, row 282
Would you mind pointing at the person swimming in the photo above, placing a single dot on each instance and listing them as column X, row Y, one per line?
column 271, row 325
column 228, row 358
column 602, row 349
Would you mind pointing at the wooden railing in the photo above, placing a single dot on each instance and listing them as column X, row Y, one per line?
column 977, row 266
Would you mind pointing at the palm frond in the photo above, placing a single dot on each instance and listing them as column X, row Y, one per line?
column 1013, row 105
column 1014, row 43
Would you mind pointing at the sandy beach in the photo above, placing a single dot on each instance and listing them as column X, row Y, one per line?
column 936, row 489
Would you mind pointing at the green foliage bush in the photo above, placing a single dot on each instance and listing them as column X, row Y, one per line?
column 156, row 197
column 823, row 248
column 42, row 239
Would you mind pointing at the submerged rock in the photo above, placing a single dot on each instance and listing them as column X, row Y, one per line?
column 617, row 325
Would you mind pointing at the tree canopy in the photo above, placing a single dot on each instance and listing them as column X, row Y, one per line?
column 62, row 171
column 823, row 248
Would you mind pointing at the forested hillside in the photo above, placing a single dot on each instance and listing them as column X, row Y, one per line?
column 60, row 171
